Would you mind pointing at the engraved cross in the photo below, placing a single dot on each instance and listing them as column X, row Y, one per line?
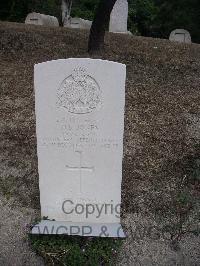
column 80, row 168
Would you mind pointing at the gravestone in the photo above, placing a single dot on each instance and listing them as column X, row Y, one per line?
column 180, row 35
column 41, row 19
column 80, row 123
column 78, row 23
column 119, row 17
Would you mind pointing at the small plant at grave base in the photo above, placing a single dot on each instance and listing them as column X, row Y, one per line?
column 76, row 250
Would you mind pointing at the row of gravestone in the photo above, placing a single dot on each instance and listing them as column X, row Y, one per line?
column 118, row 19
column 118, row 22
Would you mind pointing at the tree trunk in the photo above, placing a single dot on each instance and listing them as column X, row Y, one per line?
column 99, row 25
column 66, row 10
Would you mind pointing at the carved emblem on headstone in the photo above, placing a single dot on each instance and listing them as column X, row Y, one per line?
column 79, row 93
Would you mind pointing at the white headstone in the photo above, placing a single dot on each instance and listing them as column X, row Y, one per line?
column 80, row 123
column 180, row 35
column 78, row 23
column 119, row 17
column 41, row 19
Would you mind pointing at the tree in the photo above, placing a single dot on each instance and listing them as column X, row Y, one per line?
column 99, row 25
column 66, row 10
column 142, row 15
column 171, row 17
column 84, row 8
column 5, row 8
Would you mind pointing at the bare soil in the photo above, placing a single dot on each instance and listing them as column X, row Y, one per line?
column 161, row 140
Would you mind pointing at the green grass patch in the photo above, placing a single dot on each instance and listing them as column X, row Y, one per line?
column 75, row 250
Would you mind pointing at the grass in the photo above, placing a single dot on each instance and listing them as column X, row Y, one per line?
column 75, row 250
column 161, row 167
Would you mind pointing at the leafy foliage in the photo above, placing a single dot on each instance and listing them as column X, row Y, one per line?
column 142, row 15
column 17, row 10
column 84, row 8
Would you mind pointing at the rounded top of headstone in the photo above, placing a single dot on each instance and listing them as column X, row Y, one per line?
column 119, row 16
column 180, row 35
column 41, row 19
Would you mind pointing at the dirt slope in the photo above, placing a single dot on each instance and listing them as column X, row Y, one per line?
column 162, row 118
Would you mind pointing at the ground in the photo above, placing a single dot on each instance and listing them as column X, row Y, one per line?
column 161, row 166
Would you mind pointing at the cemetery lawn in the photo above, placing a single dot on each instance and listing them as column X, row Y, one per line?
column 161, row 166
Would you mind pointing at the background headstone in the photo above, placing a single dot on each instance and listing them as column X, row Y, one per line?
column 78, row 23
column 41, row 19
column 180, row 35
column 80, row 123
column 119, row 17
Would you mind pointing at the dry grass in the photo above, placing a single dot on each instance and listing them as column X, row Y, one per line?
column 162, row 114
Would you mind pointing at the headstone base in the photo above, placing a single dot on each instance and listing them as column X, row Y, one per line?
column 123, row 32
column 47, row 227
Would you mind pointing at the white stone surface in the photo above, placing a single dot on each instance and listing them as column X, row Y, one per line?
column 119, row 17
column 41, row 19
column 81, row 229
column 180, row 35
column 78, row 23
column 80, row 123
